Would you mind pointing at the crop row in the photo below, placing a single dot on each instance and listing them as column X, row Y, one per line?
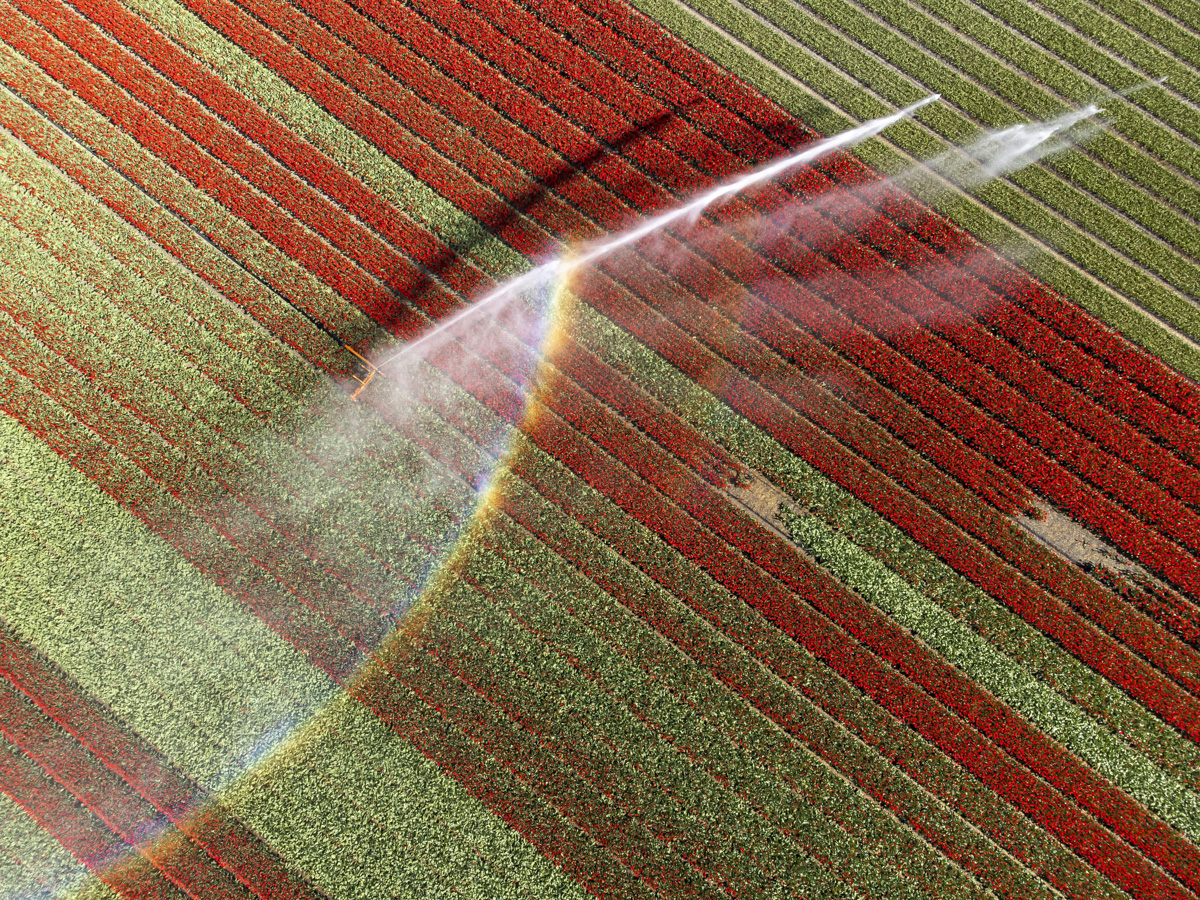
column 896, row 322
column 1067, row 206
column 1107, row 704
column 955, row 280
column 202, row 662
column 666, row 666
column 262, row 686
column 782, row 661
column 343, row 104
column 32, row 861
column 782, row 422
column 78, row 830
column 325, row 216
column 847, row 656
column 411, row 532
column 979, row 216
column 159, row 181
column 1007, row 681
column 108, row 797
column 145, row 770
column 923, row 291
column 671, row 89
column 581, row 734
column 812, row 831
column 415, row 706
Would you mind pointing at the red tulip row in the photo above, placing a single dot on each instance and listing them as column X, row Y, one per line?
column 956, row 282
column 1162, row 604
column 851, row 659
column 110, row 799
column 959, row 325
column 899, row 327
column 623, row 43
column 863, row 438
column 229, row 144
column 802, row 720
column 225, row 839
column 79, row 831
column 846, row 467
column 181, row 153
column 277, row 316
column 1069, row 320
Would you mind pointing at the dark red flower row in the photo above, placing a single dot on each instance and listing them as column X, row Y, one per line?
column 879, row 680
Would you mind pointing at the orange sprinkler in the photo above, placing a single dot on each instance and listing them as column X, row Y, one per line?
column 367, row 366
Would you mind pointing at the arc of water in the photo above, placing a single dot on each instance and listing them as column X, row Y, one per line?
column 553, row 269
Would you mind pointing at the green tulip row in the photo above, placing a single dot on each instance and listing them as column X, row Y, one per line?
column 32, row 863
column 809, row 703
column 399, row 825
column 1103, row 701
column 307, row 119
column 93, row 609
column 688, row 718
column 195, row 321
column 997, row 214
column 963, row 647
column 967, row 78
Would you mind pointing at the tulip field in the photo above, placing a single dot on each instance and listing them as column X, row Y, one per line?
column 841, row 540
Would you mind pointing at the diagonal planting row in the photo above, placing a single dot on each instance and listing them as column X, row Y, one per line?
column 665, row 84
column 1007, row 632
